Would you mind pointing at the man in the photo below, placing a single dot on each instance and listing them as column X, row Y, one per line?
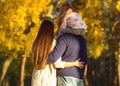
column 70, row 47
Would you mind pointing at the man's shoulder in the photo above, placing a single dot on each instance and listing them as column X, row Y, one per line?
column 66, row 35
column 71, row 36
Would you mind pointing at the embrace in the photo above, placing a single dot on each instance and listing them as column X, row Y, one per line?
column 61, row 61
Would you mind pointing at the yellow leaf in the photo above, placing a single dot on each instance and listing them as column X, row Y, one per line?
column 118, row 5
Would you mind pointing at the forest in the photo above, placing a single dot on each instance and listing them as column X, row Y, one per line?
column 19, row 24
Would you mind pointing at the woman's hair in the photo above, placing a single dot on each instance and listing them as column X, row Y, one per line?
column 63, row 9
column 42, row 44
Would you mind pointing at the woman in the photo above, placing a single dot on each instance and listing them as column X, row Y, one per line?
column 45, row 75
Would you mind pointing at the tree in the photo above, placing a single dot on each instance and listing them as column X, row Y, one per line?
column 20, row 22
column 100, row 16
column 116, row 33
column 116, row 28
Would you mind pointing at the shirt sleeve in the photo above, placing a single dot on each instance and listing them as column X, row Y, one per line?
column 59, row 63
column 58, row 50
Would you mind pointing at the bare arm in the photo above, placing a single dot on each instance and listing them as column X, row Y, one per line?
column 61, row 64
column 85, row 73
column 77, row 63
column 63, row 24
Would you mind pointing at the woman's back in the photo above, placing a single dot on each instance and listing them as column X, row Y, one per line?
column 44, row 77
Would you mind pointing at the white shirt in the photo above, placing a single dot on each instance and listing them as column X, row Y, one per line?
column 47, row 76
column 44, row 77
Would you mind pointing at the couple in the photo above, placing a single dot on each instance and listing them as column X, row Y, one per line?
column 65, row 56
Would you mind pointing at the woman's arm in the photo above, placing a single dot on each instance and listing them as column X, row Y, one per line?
column 61, row 64
column 77, row 63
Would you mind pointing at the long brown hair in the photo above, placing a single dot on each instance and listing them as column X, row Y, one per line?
column 63, row 9
column 42, row 44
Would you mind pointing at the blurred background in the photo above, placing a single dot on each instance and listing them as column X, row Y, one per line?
column 19, row 24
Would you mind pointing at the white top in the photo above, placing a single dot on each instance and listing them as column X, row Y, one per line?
column 73, row 20
column 44, row 77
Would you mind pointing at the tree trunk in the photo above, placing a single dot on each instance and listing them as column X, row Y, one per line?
column 119, row 63
column 5, row 68
column 116, row 31
column 22, row 70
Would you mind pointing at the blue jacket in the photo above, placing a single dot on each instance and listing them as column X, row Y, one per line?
column 70, row 47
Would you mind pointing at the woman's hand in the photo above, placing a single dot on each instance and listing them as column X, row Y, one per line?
column 79, row 63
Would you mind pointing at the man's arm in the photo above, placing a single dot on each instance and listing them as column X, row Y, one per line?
column 58, row 50
column 86, row 68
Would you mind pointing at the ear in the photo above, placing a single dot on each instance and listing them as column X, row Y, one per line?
column 70, row 10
